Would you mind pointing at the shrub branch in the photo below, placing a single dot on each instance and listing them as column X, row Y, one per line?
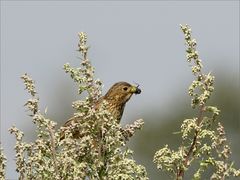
column 202, row 140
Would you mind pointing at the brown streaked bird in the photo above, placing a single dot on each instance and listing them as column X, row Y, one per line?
column 116, row 97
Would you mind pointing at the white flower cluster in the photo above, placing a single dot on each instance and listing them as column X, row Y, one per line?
column 2, row 164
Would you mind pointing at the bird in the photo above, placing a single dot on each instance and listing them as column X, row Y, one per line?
column 116, row 97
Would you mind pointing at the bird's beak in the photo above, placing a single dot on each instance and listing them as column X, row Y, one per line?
column 135, row 90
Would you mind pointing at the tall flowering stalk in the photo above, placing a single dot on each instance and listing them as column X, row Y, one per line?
column 100, row 153
column 203, row 137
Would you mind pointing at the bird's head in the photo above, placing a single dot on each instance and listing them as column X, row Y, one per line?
column 121, row 92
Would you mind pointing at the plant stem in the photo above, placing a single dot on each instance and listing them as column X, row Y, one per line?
column 53, row 149
column 190, row 152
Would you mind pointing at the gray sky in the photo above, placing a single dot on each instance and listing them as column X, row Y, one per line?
column 130, row 41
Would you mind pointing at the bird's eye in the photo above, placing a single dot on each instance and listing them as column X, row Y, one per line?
column 125, row 88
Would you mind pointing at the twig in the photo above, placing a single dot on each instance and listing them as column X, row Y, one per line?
column 190, row 152
column 52, row 139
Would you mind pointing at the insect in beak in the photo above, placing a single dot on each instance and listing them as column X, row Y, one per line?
column 136, row 89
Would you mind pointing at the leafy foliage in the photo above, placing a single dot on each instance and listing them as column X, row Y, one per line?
column 203, row 138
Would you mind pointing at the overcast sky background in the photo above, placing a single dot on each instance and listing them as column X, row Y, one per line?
column 130, row 41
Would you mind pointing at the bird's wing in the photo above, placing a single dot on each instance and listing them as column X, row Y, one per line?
column 98, row 103
column 73, row 120
column 70, row 121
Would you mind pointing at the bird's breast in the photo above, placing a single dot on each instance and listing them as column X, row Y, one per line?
column 116, row 111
